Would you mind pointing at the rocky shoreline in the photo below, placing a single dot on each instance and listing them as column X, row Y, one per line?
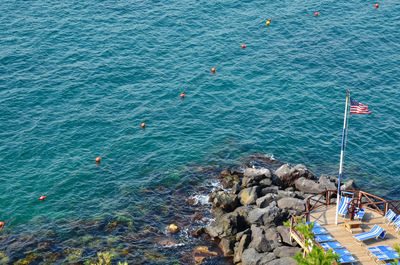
column 255, row 201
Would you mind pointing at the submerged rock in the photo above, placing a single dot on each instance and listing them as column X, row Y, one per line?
column 173, row 228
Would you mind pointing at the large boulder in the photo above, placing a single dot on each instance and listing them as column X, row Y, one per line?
column 265, row 200
column 252, row 176
column 271, row 189
column 264, row 216
column 325, row 182
column 273, row 237
column 226, row 245
column 284, row 232
column 227, row 225
column 292, row 204
column 240, row 247
column 282, row 261
column 258, row 240
column 249, row 195
column 227, row 201
column 243, row 212
column 286, row 193
column 348, row 185
column 285, row 251
column 252, row 257
column 287, row 174
column 308, row 186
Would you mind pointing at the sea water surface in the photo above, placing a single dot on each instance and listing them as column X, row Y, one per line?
column 77, row 78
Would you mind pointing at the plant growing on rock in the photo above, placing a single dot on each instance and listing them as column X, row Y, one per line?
column 316, row 255
column 397, row 248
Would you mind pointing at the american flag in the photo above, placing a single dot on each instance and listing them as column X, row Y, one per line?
column 358, row 108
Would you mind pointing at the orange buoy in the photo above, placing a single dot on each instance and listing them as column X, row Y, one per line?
column 1, row 224
column 377, row 5
column 42, row 197
column 98, row 159
column 243, row 45
column 143, row 125
column 269, row 20
column 316, row 13
column 183, row 94
column 213, row 70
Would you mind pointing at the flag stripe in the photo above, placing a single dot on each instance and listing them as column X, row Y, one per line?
column 358, row 108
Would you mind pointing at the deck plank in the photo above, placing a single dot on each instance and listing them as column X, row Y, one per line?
column 325, row 216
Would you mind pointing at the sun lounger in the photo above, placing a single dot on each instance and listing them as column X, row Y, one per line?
column 316, row 225
column 389, row 217
column 319, row 231
column 383, row 253
column 376, row 232
column 396, row 224
column 343, row 206
column 323, row 238
column 347, row 259
column 331, row 245
column 360, row 214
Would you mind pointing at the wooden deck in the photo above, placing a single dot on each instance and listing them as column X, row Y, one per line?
column 325, row 216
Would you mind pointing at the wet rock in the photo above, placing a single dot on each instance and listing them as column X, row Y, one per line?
column 191, row 201
column 167, row 242
column 3, row 258
column 285, row 235
column 349, row 185
column 152, row 255
column 282, row 261
column 253, row 176
column 265, row 200
column 172, row 228
column 292, row 204
column 288, row 174
column 235, row 188
column 198, row 231
column 227, row 225
column 217, row 212
column 249, row 195
column 326, row 183
column 308, row 186
column 240, row 247
column 258, row 240
column 285, row 251
column 227, row 201
column 226, row 245
column 203, row 250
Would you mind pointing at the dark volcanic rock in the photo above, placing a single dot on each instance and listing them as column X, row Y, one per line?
column 258, row 240
column 326, row 183
column 288, row 174
column 285, row 251
column 264, row 216
column 282, row 261
column 285, row 235
column 227, row 225
column 266, row 200
column 252, row 257
column 308, row 186
column 227, row 201
column 249, row 195
column 253, row 176
column 226, row 245
column 292, row 204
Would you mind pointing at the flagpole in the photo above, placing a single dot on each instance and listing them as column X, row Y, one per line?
column 341, row 156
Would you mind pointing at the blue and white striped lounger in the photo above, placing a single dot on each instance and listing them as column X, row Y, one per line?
column 319, row 231
column 323, row 238
column 396, row 224
column 383, row 253
column 347, row 259
column 360, row 214
column 316, row 225
column 376, row 232
column 331, row 245
column 389, row 217
column 343, row 205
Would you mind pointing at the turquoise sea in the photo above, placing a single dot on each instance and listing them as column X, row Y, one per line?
column 77, row 78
